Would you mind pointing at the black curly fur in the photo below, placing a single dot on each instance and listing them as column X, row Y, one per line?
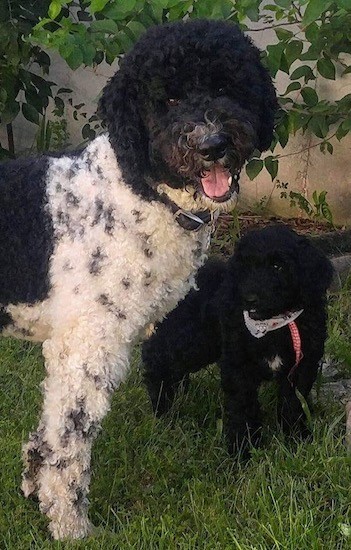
column 277, row 270
column 26, row 234
column 213, row 75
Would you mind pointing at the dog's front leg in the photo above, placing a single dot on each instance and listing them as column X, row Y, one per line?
column 242, row 411
column 83, row 368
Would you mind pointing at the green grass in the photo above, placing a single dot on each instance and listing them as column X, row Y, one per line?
column 169, row 484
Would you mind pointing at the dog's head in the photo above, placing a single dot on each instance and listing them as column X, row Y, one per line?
column 276, row 271
column 189, row 104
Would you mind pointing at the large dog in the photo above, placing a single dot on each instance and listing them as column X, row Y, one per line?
column 97, row 244
column 262, row 314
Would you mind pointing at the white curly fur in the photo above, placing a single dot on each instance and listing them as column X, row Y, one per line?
column 119, row 263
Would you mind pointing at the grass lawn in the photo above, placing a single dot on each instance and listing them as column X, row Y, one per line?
column 170, row 484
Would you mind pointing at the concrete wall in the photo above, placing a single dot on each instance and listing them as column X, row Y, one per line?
column 305, row 171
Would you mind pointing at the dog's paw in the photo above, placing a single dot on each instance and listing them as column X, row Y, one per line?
column 296, row 427
column 240, row 442
column 73, row 526
column 300, row 430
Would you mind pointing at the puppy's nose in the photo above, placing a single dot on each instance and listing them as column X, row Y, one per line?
column 251, row 300
column 213, row 147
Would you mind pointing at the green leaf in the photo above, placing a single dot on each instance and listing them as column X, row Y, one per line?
column 75, row 58
column 341, row 132
column 136, row 27
column 97, row 5
column 271, row 165
column 274, row 57
column 312, row 54
column 293, row 51
column 344, row 104
column 346, row 125
column 310, row 96
column 106, row 26
column 84, row 15
column 330, row 148
column 59, row 106
column 305, row 408
column 3, row 97
column 118, row 10
column 10, row 112
column 87, row 132
column 314, row 10
column 297, row 121
column 35, row 99
column 326, row 68
column 124, row 40
column 293, row 87
column 284, row 66
column 112, row 50
column 54, row 9
column 326, row 212
column 30, row 113
column 303, row 71
column 44, row 86
column 64, row 91
column 283, row 3
column 283, row 132
column 312, row 32
column 254, row 167
column 319, row 126
column 88, row 53
column 283, row 34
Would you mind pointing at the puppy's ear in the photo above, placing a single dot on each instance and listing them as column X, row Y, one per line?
column 119, row 111
column 316, row 270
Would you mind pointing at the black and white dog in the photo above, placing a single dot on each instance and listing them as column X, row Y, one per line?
column 262, row 314
column 97, row 244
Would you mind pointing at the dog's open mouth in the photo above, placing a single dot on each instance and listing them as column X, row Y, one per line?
column 218, row 183
column 255, row 315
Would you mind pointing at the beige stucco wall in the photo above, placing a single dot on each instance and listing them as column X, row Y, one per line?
column 304, row 172
column 304, row 167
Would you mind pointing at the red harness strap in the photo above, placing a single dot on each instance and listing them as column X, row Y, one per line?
column 296, row 340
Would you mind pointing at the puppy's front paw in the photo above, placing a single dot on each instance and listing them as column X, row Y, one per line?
column 241, row 441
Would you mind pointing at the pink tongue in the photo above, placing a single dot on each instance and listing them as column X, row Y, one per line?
column 215, row 181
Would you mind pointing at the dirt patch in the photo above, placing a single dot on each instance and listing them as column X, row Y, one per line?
column 248, row 220
column 230, row 228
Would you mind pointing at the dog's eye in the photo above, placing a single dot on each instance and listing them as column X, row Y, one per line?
column 278, row 267
column 220, row 91
column 172, row 102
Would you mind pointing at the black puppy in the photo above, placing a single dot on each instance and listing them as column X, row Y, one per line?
column 261, row 315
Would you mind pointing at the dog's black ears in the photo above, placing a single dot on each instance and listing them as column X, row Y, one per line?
column 316, row 270
column 119, row 111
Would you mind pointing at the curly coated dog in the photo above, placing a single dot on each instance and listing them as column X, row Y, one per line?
column 97, row 244
column 261, row 314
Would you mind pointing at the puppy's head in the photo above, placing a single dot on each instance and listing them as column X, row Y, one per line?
column 189, row 104
column 276, row 271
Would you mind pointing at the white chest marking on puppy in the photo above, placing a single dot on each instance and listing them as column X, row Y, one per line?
column 275, row 363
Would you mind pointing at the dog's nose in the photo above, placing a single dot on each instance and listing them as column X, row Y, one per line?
column 251, row 300
column 213, row 147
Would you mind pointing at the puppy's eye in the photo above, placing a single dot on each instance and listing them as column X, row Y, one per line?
column 172, row 102
column 278, row 267
column 220, row 91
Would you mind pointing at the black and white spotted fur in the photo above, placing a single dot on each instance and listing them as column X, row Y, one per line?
column 91, row 252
